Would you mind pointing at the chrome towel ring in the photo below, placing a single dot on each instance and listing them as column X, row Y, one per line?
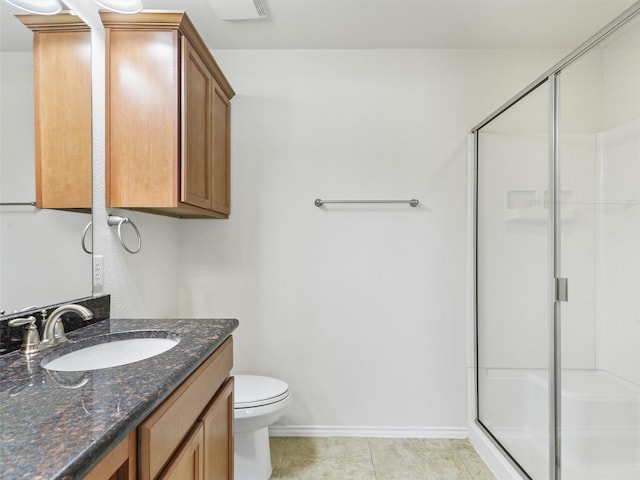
column 114, row 220
column 84, row 238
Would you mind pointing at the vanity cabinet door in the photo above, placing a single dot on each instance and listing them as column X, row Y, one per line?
column 162, row 434
column 119, row 464
column 218, row 435
column 188, row 462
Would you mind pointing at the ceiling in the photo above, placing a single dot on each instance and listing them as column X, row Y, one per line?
column 458, row 24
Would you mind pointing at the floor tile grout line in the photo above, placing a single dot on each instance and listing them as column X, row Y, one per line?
column 279, row 460
column 473, row 474
column 464, row 464
column 373, row 464
column 282, row 454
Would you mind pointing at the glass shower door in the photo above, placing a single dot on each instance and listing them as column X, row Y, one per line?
column 513, row 281
column 599, row 208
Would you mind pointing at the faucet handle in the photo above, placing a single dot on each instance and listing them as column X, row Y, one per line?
column 31, row 338
column 16, row 322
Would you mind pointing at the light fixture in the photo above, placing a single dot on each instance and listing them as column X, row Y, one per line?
column 39, row 7
column 121, row 6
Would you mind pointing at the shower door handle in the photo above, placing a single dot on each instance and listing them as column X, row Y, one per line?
column 562, row 289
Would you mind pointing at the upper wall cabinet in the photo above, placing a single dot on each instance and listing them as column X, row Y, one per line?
column 167, row 118
column 62, row 81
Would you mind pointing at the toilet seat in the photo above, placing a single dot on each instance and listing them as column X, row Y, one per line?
column 255, row 391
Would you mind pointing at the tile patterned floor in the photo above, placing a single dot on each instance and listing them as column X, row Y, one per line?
column 348, row 458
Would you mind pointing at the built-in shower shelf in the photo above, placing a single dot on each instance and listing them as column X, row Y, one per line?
column 532, row 206
column 623, row 203
column 537, row 215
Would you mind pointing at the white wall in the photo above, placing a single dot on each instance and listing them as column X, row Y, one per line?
column 361, row 309
column 142, row 285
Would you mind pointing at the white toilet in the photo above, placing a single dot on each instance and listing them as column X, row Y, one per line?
column 258, row 403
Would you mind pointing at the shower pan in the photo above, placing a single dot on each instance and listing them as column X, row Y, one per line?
column 557, row 265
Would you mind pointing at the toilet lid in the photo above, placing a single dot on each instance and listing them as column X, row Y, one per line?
column 255, row 390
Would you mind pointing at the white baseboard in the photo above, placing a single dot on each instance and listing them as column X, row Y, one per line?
column 372, row 432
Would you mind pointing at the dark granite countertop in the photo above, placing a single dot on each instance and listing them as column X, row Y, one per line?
column 59, row 425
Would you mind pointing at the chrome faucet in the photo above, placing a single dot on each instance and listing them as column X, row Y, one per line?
column 53, row 331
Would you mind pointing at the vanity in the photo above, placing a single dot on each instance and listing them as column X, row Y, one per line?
column 168, row 416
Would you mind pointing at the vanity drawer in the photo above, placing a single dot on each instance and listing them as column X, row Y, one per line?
column 161, row 434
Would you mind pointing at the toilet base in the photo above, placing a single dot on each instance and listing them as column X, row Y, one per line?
column 252, row 455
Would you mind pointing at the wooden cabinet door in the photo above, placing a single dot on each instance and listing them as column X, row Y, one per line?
column 187, row 464
column 62, row 85
column 119, row 464
column 63, row 119
column 196, row 129
column 221, row 168
column 205, row 136
column 161, row 433
column 143, row 105
column 218, row 435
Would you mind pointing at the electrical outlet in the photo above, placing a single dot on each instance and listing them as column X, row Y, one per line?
column 98, row 270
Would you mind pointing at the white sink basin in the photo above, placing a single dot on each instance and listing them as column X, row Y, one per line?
column 114, row 353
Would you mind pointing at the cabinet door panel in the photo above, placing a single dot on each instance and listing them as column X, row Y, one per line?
column 221, row 138
column 63, row 119
column 187, row 464
column 196, row 129
column 218, row 435
column 142, row 119
column 119, row 464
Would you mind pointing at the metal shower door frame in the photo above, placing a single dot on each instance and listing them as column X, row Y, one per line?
column 556, row 293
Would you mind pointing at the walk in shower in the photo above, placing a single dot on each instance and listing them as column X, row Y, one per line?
column 558, row 265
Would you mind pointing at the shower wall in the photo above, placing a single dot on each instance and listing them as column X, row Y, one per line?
column 618, row 252
column 600, row 142
column 577, row 222
column 517, row 216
